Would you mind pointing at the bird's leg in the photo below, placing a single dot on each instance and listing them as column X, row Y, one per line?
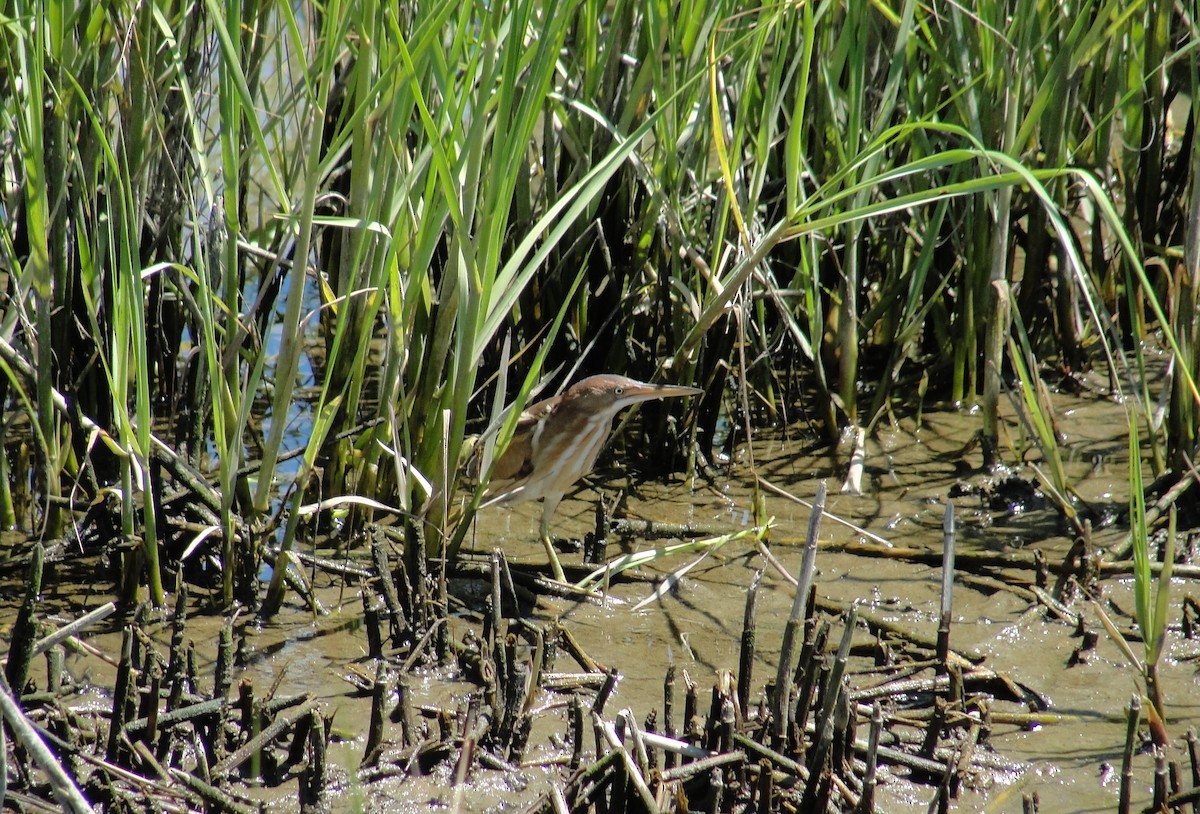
column 551, row 503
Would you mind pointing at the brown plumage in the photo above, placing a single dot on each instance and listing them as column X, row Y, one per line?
column 558, row 440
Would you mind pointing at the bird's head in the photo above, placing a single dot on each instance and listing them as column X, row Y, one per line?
column 608, row 394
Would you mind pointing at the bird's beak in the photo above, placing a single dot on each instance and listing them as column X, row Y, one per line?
column 645, row 392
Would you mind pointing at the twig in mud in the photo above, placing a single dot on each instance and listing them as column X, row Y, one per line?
column 558, row 803
column 1160, row 780
column 576, row 717
column 537, row 667
column 379, row 695
column 591, row 780
column 1125, row 793
column 576, row 651
column 211, row 794
column 858, row 530
column 804, row 681
column 940, row 683
column 71, row 629
column 634, row 733
column 651, row 530
column 957, row 769
column 932, row 768
column 62, row 784
column 186, row 474
column 702, row 765
column 312, row 774
column 572, row 681
column 668, row 724
column 24, row 629
column 189, row 713
column 466, row 752
column 878, row 622
column 267, row 735
column 781, row 708
column 1193, row 756
column 943, row 637
column 673, row 746
column 832, row 690
column 746, row 652
column 402, row 713
column 535, row 583
column 419, row 648
column 717, row 784
column 1176, row 801
column 631, row 768
column 223, row 678
column 606, row 690
column 387, row 586
column 1023, row 560
column 122, row 696
column 872, row 758
column 1054, row 606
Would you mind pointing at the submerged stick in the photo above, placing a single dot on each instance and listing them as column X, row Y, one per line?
column 867, row 801
column 943, row 639
column 1126, row 791
column 746, row 654
column 121, row 694
column 832, row 690
column 387, row 587
column 24, row 631
column 1193, row 758
column 176, row 675
column 402, row 713
column 668, row 725
column 379, row 694
column 222, row 679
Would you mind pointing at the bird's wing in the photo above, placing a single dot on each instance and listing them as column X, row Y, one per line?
column 517, row 461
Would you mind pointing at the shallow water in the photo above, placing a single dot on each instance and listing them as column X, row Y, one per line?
column 910, row 472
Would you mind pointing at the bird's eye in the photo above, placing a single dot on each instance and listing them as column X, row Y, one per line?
column 619, row 391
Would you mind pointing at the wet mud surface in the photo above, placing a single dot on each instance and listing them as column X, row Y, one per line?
column 1057, row 727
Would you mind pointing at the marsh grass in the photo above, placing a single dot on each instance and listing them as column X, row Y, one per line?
column 1151, row 595
column 209, row 208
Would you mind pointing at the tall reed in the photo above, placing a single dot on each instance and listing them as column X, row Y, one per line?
column 294, row 244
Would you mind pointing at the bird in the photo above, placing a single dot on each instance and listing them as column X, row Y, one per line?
column 557, row 441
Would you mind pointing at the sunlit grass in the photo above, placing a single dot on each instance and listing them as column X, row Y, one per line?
column 405, row 199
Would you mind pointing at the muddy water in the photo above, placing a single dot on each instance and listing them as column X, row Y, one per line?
column 910, row 473
column 911, row 470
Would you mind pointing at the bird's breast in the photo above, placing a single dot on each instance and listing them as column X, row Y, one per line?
column 566, row 453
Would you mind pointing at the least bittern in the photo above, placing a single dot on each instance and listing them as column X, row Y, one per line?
column 558, row 440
